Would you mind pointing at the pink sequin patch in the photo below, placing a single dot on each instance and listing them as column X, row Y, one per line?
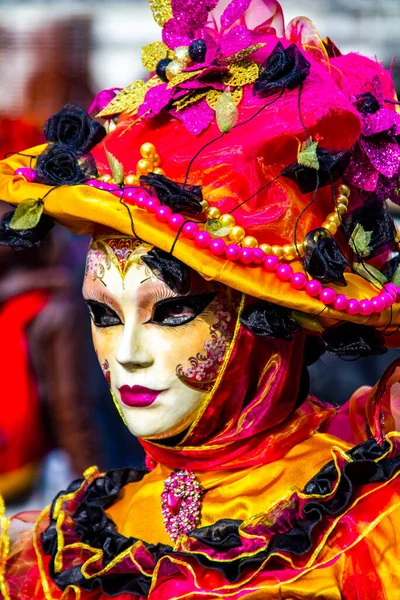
column 181, row 503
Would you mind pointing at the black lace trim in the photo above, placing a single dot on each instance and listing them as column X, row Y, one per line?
column 292, row 533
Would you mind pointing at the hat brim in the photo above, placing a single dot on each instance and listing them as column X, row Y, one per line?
column 86, row 210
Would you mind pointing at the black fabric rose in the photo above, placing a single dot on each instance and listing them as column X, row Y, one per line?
column 282, row 70
column 174, row 273
column 351, row 339
column 179, row 198
column 60, row 165
column 269, row 320
column 74, row 128
column 23, row 239
column 367, row 103
column 331, row 168
column 323, row 259
column 374, row 217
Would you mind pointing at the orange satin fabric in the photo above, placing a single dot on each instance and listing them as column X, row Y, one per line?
column 234, row 494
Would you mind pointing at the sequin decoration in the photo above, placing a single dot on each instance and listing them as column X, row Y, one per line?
column 161, row 10
column 181, row 503
column 204, row 367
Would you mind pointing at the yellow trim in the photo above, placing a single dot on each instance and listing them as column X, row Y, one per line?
column 4, row 548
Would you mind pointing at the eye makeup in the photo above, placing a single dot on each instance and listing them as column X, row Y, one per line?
column 102, row 315
column 172, row 312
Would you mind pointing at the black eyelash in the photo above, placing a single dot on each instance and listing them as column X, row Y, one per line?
column 102, row 315
column 198, row 303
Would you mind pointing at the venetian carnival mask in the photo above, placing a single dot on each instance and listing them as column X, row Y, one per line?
column 160, row 332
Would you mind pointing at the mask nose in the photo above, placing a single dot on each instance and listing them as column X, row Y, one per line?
column 132, row 352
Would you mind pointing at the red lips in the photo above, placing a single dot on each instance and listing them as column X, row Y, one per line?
column 138, row 396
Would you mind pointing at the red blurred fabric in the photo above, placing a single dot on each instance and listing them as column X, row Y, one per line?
column 21, row 435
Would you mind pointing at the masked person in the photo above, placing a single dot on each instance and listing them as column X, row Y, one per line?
column 237, row 208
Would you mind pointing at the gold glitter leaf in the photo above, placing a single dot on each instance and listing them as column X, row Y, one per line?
column 239, row 56
column 241, row 73
column 196, row 96
column 226, row 112
column 161, row 10
column 153, row 53
column 182, row 77
column 129, row 99
column 214, row 95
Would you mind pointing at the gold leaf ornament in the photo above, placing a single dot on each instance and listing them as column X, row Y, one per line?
column 241, row 73
column 242, row 54
column 182, row 77
column 226, row 112
column 129, row 100
column 161, row 10
column 117, row 168
column 196, row 96
column 307, row 157
column 27, row 214
column 153, row 53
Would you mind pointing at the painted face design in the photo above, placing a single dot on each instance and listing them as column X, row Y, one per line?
column 160, row 351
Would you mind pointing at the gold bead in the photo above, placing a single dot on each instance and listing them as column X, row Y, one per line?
column 332, row 227
column 213, row 212
column 156, row 160
column 289, row 252
column 344, row 189
column 266, row 248
column 181, row 54
column 158, row 171
column 147, row 150
column 342, row 209
column 236, row 234
column 227, row 220
column 132, row 180
column 204, row 205
column 300, row 249
column 105, row 178
column 278, row 251
column 143, row 166
column 249, row 242
column 333, row 218
column 173, row 69
column 342, row 200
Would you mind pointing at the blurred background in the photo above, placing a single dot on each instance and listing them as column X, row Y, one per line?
column 56, row 52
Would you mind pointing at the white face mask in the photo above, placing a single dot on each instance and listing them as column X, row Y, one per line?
column 160, row 351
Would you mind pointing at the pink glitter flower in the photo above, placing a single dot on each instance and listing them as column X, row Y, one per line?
column 375, row 163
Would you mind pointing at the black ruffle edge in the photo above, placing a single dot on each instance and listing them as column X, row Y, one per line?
column 97, row 530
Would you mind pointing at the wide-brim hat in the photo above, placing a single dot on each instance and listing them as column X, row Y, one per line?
column 264, row 166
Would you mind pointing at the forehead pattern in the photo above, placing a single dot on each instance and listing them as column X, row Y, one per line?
column 121, row 251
